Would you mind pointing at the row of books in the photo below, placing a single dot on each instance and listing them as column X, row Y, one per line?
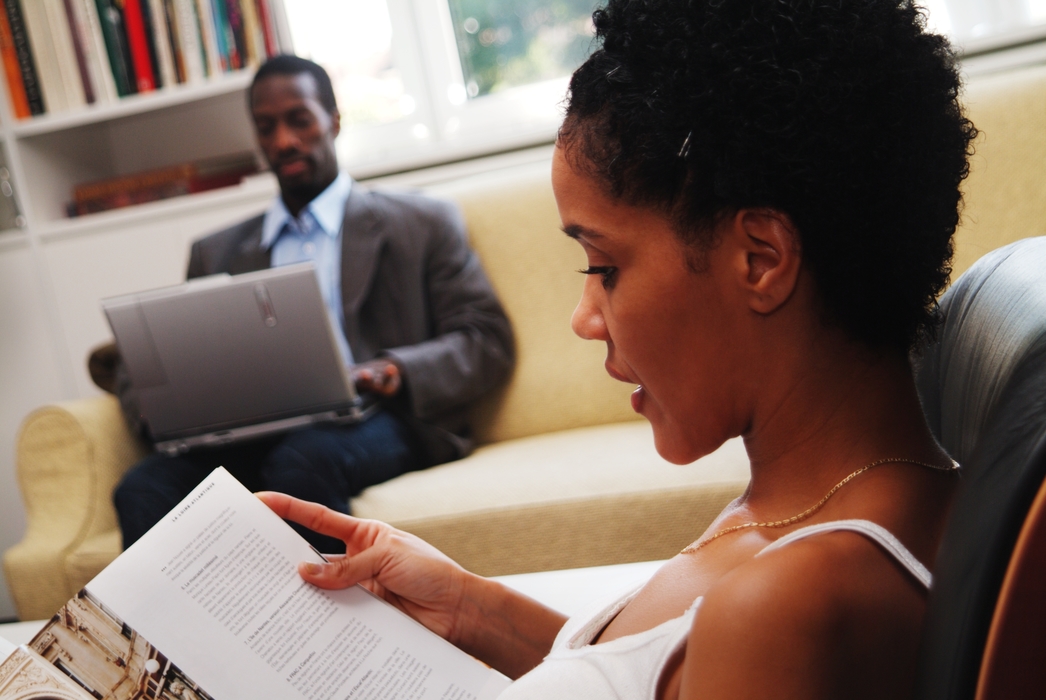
column 63, row 54
column 163, row 183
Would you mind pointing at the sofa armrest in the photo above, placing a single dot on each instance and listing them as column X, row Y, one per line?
column 69, row 458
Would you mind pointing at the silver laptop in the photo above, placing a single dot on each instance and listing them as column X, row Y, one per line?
column 222, row 359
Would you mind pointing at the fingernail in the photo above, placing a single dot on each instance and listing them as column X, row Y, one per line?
column 312, row 569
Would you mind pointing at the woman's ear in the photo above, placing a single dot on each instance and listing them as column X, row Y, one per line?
column 770, row 257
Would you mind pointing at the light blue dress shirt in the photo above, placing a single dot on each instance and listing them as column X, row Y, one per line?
column 315, row 235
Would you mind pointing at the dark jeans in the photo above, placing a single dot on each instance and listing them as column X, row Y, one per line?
column 325, row 464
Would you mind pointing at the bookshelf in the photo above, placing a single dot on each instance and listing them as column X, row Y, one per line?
column 194, row 115
column 182, row 123
column 55, row 269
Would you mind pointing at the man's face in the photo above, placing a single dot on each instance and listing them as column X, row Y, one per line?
column 296, row 133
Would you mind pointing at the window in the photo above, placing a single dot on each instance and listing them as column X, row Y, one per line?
column 427, row 81
column 507, row 43
column 981, row 23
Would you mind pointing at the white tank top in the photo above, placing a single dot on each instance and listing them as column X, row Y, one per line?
column 629, row 667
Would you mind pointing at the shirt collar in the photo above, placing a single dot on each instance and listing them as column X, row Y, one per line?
column 328, row 210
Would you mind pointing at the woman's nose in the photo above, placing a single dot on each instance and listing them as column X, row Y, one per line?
column 587, row 321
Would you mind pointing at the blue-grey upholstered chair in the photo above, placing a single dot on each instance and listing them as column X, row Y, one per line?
column 983, row 387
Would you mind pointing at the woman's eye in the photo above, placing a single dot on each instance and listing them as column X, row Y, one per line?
column 607, row 273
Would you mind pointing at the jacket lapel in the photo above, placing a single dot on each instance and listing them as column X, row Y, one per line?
column 250, row 255
column 362, row 236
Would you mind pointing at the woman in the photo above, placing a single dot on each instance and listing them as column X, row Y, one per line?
column 766, row 192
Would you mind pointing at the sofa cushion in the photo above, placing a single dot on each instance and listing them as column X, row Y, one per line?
column 561, row 500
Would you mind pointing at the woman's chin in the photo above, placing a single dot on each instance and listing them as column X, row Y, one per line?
column 678, row 445
column 672, row 446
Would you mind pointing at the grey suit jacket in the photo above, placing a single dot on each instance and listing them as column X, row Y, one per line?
column 412, row 290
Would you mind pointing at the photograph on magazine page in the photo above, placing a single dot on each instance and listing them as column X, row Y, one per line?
column 103, row 656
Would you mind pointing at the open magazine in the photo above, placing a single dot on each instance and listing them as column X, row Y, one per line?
column 209, row 604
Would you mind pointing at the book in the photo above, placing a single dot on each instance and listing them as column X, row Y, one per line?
column 170, row 15
column 208, row 37
column 162, row 41
column 221, row 34
column 209, row 605
column 79, row 50
column 254, row 42
column 190, row 45
column 26, row 62
column 112, row 24
column 268, row 27
column 41, row 45
column 163, row 183
column 150, row 41
column 141, row 60
column 12, row 69
column 62, row 40
column 234, row 37
column 97, row 56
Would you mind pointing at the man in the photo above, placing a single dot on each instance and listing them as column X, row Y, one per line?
column 419, row 321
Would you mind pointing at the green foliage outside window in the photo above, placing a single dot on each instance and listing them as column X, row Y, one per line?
column 506, row 43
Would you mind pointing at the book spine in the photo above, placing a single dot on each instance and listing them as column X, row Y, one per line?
column 12, row 71
column 170, row 15
column 128, row 184
column 162, row 41
column 191, row 46
column 254, row 42
column 130, row 198
column 234, row 34
column 111, row 22
column 46, row 61
column 281, row 26
column 62, row 39
column 80, row 51
column 26, row 62
column 221, row 34
column 268, row 28
column 98, row 57
column 208, row 38
column 203, row 183
column 141, row 62
column 150, row 41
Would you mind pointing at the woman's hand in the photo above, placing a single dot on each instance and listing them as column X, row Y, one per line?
column 495, row 624
column 399, row 567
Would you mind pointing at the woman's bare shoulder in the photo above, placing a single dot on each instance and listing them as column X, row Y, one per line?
column 818, row 618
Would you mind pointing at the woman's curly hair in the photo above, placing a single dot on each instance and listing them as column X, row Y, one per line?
column 842, row 114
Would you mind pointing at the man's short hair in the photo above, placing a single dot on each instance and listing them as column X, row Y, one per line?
column 289, row 64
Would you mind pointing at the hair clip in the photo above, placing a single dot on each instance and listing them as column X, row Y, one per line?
column 685, row 148
column 612, row 71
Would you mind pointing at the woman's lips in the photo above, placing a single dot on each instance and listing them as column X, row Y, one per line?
column 616, row 375
column 637, row 399
column 637, row 395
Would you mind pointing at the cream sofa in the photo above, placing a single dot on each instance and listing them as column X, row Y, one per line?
column 565, row 476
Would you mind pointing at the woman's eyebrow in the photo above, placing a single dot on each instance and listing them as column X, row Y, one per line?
column 576, row 231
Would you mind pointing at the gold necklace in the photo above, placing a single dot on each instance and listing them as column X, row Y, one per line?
column 691, row 548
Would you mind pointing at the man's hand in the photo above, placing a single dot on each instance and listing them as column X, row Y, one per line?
column 381, row 376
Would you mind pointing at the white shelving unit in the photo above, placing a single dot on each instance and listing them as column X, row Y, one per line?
column 55, row 269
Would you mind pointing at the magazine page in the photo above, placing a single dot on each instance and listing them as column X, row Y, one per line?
column 209, row 604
